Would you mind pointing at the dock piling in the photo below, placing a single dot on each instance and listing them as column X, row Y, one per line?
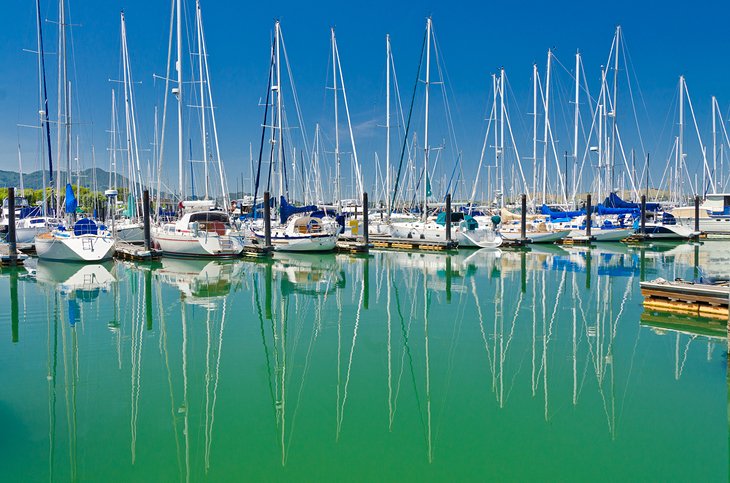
column 448, row 217
column 697, row 214
column 365, row 218
column 523, row 219
column 267, row 220
column 588, row 216
column 643, row 214
column 146, row 219
column 13, row 260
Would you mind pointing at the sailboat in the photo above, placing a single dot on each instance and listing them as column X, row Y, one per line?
column 202, row 229
column 465, row 229
column 87, row 241
column 32, row 221
column 296, row 230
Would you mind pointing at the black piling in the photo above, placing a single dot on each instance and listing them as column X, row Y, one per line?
column 365, row 219
column 448, row 217
column 697, row 214
column 267, row 220
column 523, row 219
column 11, row 228
column 146, row 219
column 588, row 215
column 643, row 214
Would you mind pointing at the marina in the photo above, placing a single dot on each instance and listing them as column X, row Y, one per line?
column 239, row 243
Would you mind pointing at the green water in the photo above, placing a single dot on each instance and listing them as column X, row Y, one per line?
column 397, row 366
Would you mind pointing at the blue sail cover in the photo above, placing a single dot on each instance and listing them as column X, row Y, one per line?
column 557, row 215
column 71, row 203
column 286, row 210
column 614, row 201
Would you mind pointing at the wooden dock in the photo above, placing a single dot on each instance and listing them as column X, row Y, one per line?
column 257, row 251
column 390, row 243
column 687, row 298
column 129, row 251
column 352, row 245
column 579, row 240
column 7, row 261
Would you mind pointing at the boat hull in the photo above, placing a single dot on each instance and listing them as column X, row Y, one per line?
column 72, row 248
column 189, row 246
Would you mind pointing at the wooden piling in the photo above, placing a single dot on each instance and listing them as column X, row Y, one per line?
column 523, row 219
column 643, row 214
column 365, row 220
column 448, row 217
column 588, row 216
column 13, row 252
column 267, row 220
column 146, row 219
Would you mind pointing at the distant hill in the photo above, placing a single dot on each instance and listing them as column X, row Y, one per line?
column 34, row 180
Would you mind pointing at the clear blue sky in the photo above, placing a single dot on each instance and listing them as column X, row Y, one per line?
column 665, row 40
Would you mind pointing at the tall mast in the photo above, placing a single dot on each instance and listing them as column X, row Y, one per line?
column 714, row 143
column 534, row 129
column 425, row 128
column 61, row 104
column 45, row 132
column 178, row 68
column 613, row 111
column 280, row 134
column 338, row 193
column 501, row 138
column 387, row 126
column 546, row 103
column 680, row 142
column 203, row 138
column 601, row 112
column 575, row 121
column 495, row 103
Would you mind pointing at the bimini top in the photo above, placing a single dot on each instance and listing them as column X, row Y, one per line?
column 85, row 226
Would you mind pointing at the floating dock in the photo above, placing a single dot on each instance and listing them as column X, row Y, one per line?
column 129, row 251
column 687, row 297
column 7, row 261
column 257, row 251
column 390, row 243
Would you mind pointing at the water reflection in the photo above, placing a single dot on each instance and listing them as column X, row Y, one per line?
column 422, row 355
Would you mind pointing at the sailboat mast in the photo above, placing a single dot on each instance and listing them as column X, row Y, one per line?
column 501, row 138
column 680, row 145
column 178, row 68
column 425, row 128
column 613, row 111
column 534, row 129
column 576, row 118
column 714, row 143
column 45, row 132
column 199, row 27
column 280, row 133
column 61, row 104
column 338, row 193
column 546, row 103
column 387, row 126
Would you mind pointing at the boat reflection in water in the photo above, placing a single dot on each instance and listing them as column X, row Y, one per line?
column 339, row 366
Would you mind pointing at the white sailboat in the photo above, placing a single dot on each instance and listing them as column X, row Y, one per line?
column 86, row 241
column 296, row 230
column 202, row 230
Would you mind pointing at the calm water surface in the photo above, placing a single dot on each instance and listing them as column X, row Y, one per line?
column 473, row 366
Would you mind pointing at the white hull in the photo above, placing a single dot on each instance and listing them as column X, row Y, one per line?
column 130, row 233
column 73, row 248
column 538, row 237
column 600, row 235
column 657, row 231
column 314, row 243
column 203, row 245
column 27, row 235
column 711, row 226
